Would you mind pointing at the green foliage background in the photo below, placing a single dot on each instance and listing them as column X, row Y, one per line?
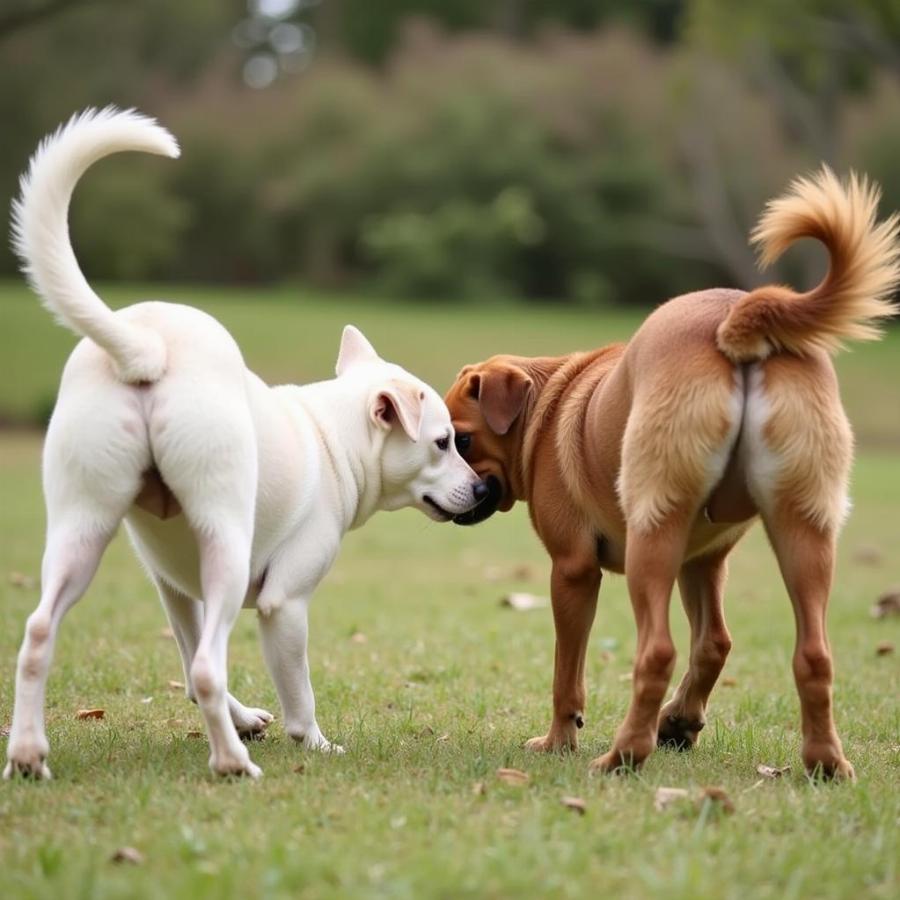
column 584, row 152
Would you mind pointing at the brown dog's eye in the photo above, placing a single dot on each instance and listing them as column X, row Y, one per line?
column 463, row 443
column 442, row 443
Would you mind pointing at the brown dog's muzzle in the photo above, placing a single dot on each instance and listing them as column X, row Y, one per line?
column 487, row 507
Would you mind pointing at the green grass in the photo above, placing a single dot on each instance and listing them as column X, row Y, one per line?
column 443, row 691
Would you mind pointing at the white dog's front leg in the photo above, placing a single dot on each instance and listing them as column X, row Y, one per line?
column 186, row 618
column 284, row 633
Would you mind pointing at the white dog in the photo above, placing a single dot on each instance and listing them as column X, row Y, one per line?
column 233, row 492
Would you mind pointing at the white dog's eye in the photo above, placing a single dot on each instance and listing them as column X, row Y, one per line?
column 443, row 443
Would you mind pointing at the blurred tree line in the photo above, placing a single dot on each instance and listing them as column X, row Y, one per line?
column 607, row 151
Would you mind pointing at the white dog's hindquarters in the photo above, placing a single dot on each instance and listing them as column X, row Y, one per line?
column 40, row 232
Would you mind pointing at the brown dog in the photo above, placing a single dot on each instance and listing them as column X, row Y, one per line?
column 654, row 457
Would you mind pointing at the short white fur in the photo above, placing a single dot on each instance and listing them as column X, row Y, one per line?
column 268, row 479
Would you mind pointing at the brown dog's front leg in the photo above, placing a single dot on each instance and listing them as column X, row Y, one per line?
column 651, row 564
column 574, row 585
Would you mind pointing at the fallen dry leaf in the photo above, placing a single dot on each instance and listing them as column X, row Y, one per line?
column 21, row 580
column 300, row 769
column 887, row 604
column 90, row 714
column 176, row 686
column 358, row 638
column 127, row 855
column 728, row 681
column 195, row 734
column 772, row 771
column 884, row 648
column 576, row 804
column 522, row 602
column 425, row 731
column 666, row 796
column 717, row 796
column 513, row 776
column 442, row 739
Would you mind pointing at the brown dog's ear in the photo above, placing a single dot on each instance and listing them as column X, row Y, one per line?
column 399, row 402
column 501, row 396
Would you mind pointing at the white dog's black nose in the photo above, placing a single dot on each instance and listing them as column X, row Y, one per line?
column 480, row 490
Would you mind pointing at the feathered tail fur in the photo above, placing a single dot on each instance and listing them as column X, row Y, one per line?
column 854, row 296
column 40, row 232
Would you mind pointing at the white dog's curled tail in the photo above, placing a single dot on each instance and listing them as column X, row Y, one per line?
column 40, row 232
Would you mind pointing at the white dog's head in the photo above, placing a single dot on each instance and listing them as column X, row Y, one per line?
column 419, row 463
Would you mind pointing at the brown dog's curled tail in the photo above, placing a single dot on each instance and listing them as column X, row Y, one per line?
column 863, row 272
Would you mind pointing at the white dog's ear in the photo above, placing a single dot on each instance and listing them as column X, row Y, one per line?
column 355, row 348
column 401, row 402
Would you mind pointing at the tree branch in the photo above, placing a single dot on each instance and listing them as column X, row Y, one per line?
column 723, row 231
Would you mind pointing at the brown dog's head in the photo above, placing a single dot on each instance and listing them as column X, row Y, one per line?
column 486, row 404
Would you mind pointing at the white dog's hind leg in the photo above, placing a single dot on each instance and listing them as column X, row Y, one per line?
column 186, row 618
column 70, row 562
column 284, row 635
column 224, row 575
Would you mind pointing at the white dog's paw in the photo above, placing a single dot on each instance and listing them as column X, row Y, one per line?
column 28, row 761
column 234, row 764
column 313, row 739
column 251, row 723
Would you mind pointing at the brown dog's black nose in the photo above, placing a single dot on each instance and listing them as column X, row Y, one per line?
column 480, row 490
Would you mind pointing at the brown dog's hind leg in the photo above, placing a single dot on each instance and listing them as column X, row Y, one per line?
column 799, row 455
column 701, row 582
column 806, row 558
column 574, row 584
column 652, row 561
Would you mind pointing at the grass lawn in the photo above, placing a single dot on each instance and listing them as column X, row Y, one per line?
column 432, row 686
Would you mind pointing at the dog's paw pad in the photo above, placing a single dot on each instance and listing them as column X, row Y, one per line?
column 251, row 724
column 549, row 743
column 236, row 767
column 313, row 739
column 678, row 733
column 34, row 770
column 830, row 769
column 321, row 744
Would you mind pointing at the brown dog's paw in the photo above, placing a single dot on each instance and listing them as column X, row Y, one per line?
column 553, row 742
column 610, row 763
column 616, row 762
column 828, row 765
column 678, row 733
